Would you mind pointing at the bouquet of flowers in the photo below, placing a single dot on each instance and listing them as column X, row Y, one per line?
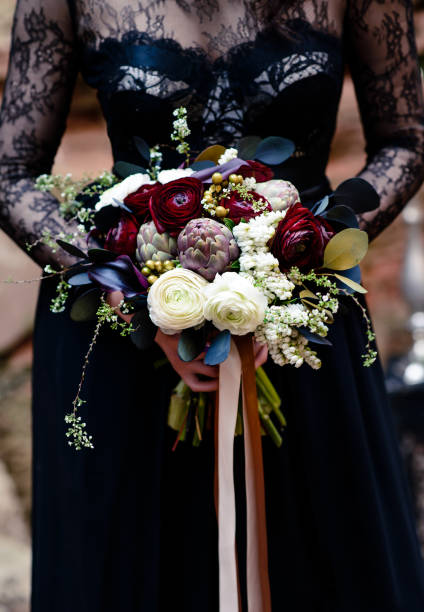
column 212, row 249
column 218, row 251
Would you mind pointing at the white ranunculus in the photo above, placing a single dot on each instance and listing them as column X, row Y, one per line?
column 280, row 194
column 121, row 190
column 233, row 303
column 166, row 176
column 176, row 300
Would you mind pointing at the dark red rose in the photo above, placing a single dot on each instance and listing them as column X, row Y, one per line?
column 138, row 202
column 300, row 239
column 261, row 172
column 173, row 205
column 122, row 239
column 243, row 209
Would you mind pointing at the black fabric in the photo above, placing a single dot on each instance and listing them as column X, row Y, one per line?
column 130, row 526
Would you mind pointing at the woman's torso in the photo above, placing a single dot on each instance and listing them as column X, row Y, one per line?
column 235, row 73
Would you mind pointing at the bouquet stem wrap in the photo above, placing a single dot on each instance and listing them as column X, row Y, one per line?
column 240, row 367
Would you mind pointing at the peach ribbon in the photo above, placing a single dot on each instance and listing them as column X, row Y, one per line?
column 240, row 366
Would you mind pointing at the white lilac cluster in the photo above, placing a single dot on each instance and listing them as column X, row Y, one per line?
column 256, row 260
column 279, row 328
column 227, row 156
column 181, row 129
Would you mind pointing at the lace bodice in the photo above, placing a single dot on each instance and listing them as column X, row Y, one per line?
column 239, row 70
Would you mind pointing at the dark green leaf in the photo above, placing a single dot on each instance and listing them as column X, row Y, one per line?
column 219, row 348
column 142, row 147
column 191, row 343
column 125, row 169
column 341, row 214
column 247, row 146
column 71, row 249
column 229, row 223
column 235, row 265
column 314, row 338
column 101, row 255
column 145, row 330
column 85, row 306
column 274, row 150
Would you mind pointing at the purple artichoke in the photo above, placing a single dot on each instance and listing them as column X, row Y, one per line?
column 155, row 246
column 207, row 247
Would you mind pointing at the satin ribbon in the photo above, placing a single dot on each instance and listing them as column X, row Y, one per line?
column 240, row 366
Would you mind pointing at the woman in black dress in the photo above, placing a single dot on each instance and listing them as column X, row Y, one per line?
column 131, row 526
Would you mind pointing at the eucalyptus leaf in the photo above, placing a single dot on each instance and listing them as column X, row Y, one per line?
column 201, row 165
column 191, row 343
column 351, row 284
column 358, row 194
column 142, row 147
column 219, row 348
column 345, row 249
column 85, row 306
column 321, row 206
column 314, row 338
column 145, row 330
column 274, row 150
column 212, row 153
column 125, row 169
column 81, row 278
column 247, row 146
column 71, row 249
column 306, row 293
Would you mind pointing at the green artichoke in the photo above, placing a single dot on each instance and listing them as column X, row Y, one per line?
column 207, row 247
column 153, row 245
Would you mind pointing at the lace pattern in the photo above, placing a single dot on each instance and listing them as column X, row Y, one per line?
column 235, row 73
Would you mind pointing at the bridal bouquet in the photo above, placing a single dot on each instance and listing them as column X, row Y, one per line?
column 212, row 249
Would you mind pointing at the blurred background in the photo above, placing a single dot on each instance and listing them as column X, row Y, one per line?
column 393, row 270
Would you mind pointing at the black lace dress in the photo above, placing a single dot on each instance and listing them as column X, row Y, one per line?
column 131, row 526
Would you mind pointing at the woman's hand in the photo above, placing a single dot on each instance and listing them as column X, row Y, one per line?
column 197, row 375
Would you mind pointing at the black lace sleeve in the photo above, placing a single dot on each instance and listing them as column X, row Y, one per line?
column 37, row 95
column 384, row 65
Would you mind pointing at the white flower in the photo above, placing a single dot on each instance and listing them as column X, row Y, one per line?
column 121, row 190
column 250, row 183
column 228, row 155
column 280, row 194
column 233, row 303
column 176, row 300
column 166, row 176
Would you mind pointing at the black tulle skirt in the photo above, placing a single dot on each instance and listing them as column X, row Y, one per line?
column 130, row 526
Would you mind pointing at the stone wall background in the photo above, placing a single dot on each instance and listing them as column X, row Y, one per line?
column 85, row 145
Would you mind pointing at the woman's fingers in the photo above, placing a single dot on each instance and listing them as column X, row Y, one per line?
column 114, row 299
column 196, row 384
column 261, row 355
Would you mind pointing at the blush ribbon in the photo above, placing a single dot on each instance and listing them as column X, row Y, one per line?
column 240, row 367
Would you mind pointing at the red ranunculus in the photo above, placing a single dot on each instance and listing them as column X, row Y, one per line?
column 261, row 172
column 122, row 239
column 138, row 202
column 243, row 209
column 300, row 239
column 174, row 204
